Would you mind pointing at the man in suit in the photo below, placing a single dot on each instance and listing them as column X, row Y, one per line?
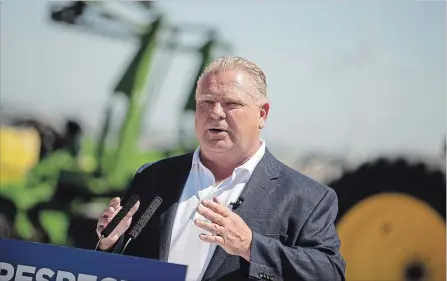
column 280, row 225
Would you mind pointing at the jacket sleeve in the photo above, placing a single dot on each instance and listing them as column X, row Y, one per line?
column 315, row 255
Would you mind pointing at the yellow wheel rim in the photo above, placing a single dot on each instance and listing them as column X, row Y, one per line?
column 393, row 236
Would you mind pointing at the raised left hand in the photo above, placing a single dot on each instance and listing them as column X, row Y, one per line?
column 231, row 232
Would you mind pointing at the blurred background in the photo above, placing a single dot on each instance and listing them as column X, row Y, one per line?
column 90, row 91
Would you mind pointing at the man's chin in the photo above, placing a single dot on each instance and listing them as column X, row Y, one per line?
column 218, row 146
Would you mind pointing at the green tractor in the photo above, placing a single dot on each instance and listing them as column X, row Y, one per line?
column 57, row 195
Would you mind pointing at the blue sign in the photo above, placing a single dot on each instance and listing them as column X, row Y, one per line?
column 29, row 261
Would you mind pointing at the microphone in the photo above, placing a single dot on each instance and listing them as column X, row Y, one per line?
column 144, row 219
column 236, row 204
column 118, row 218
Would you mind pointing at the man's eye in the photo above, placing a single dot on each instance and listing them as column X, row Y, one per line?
column 233, row 103
column 205, row 102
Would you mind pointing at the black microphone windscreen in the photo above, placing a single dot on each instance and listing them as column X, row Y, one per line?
column 145, row 217
column 120, row 216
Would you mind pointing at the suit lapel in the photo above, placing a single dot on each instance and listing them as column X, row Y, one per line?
column 258, row 188
column 171, row 188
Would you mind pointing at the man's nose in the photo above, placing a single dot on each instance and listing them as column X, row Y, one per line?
column 217, row 111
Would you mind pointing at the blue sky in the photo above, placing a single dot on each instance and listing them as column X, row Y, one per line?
column 344, row 77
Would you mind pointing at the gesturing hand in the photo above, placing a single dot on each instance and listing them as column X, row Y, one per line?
column 231, row 232
column 107, row 215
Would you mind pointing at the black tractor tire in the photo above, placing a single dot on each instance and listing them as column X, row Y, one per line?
column 383, row 176
column 389, row 229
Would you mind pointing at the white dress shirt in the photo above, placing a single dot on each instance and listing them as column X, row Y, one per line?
column 186, row 247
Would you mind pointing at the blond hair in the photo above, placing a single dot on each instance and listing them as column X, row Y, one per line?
column 256, row 75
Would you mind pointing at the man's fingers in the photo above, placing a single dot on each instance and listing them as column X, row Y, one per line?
column 100, row 228
column 107, row 215
column 115, row 202
column 134, row 209
column 209, row 226
column 219, row 240
column 123, row 226
column 117, row 211
column 217, row 200
column 217, row 207
column 108, row 212
column 211, row 215
column 104, row 221
column 116, row 233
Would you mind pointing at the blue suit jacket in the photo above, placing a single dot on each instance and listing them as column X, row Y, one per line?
column 291, row 217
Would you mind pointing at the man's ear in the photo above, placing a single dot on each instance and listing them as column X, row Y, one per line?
column 263, row 113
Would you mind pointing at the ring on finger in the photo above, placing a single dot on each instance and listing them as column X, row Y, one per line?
column 218, row 231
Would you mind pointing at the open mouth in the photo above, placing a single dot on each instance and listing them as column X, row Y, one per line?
column 217, row 130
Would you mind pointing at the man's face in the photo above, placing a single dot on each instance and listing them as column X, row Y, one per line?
column 228, row 114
